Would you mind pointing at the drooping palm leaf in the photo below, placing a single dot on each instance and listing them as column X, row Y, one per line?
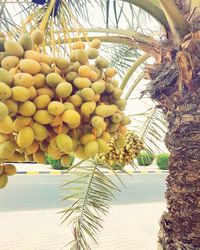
column 90, row 190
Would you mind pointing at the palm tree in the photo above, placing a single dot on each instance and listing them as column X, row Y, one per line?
column 174, row 85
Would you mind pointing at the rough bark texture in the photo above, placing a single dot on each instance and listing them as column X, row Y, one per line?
column 180, row 226
column 176, row 87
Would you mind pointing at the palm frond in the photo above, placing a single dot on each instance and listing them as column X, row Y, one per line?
column 90, row 190
column 121, row 56
column 151, row 126
column 116, row 13
column 113, row 13
column 6, row 19
column 151, row 7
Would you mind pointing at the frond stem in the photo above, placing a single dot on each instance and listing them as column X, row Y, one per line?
column 134, row 85
column 132, row 69
column 105, row 30
column 86, row 192
column 136, row 40
column 177, row 22
column 47, row 15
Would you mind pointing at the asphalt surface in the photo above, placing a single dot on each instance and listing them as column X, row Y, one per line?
column 26, row 192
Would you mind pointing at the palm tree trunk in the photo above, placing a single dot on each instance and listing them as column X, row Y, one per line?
column 180, row 226
column 175, row 86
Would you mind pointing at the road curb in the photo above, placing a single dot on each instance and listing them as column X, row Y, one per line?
column 40, row 172
column 150, row 171
column 62, row 172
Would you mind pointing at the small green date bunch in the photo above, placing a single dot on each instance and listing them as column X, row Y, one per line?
column 122, row 149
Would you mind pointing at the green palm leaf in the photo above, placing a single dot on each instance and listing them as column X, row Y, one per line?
column 90, row 190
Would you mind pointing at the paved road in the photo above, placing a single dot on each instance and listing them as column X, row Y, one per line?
column 43, row 192
column 29, row 218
